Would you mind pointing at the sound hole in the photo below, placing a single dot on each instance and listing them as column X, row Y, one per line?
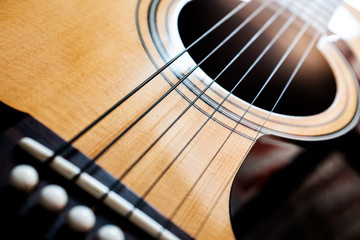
column 313, row 89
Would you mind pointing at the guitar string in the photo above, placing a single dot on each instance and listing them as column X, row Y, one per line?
column 139, row 202
column 187, row 108
column 289, row 21
column 313, row 5
column 307, row 51
column 88, row 128
column 146, row 81
column 190, row 105
column 276, row 37
column 130, row 94
column 236, row 30
column 312, row 8
column 316, row 6
column 246, row 111
column 255, row 37
column 208, row 165
column 143, row 84
column 300, row 63
column 295, row 41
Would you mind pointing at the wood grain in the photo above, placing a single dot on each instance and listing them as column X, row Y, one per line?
column 66, row 62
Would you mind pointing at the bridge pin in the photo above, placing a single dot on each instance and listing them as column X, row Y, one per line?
column 81, row 219
column 53, row 198
column 24, row 177
column 110, row 232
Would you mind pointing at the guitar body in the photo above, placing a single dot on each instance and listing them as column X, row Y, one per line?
column 66, row 62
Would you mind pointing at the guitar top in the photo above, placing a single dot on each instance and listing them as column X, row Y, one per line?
column 144, row 111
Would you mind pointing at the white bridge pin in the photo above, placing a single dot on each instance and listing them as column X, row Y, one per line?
column 24, row 177
column 53, row 198
column 110, row 232
column 81, row 219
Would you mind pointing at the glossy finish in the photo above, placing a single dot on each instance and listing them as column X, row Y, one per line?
column 66, row 62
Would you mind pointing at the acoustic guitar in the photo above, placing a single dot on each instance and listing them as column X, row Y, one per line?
column 143, row 111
